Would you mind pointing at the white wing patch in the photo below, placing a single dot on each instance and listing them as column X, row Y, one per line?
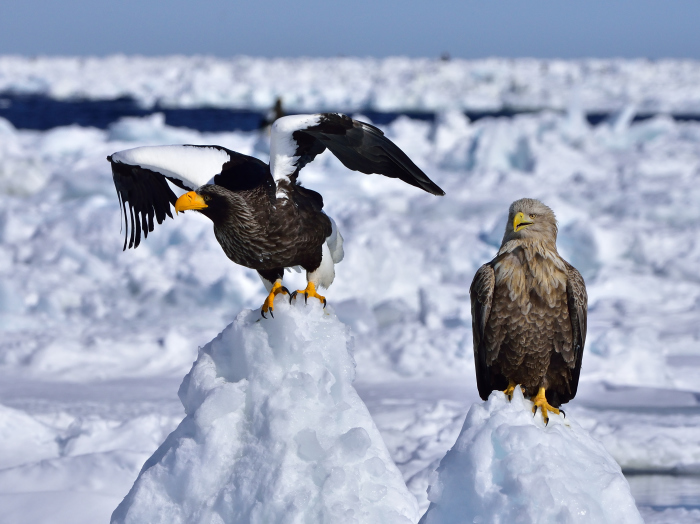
column 194, row 166
column 282, row 145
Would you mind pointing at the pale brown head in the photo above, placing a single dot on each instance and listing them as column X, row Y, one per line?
column 530, row 219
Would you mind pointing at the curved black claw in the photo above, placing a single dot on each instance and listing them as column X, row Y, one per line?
column 284, row 289
column 324, row 303
column 292, row 296
column 563, row 412
column 263, row 314
column 546, row 422
column 534, row 411
column 306, row 298
column 272, row 314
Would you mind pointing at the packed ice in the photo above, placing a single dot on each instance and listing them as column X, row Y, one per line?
column 274, row 432
column 95, row 341
column 508, row 466
column 355, row 84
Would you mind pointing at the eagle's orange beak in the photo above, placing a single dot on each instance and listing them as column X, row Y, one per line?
column 189, row 200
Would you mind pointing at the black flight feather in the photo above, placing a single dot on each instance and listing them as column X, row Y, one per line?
column 360, row 147
column 148, row 196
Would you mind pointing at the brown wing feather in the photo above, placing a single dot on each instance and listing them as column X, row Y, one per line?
column 578, row 312
column 481, row 293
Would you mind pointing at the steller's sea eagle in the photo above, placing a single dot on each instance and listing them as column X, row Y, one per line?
column 529, row 309
column 263, row 218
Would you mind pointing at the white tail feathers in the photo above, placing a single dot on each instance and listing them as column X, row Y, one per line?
column 335, row 243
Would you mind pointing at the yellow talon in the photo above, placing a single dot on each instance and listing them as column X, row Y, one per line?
column 310, row 291
column 540, row 401
column 269, row 304
column 509, row 390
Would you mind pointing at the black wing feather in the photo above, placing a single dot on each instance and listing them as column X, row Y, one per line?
column 360, row 147
column 308, row 147
column 148, row 196
column 243, row 172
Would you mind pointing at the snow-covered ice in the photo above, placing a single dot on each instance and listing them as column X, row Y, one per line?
column 95, row 340
column 507, row 466
column 625, row 197
column 308, row 85
column 274, row 432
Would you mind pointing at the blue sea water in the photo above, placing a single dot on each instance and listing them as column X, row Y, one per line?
column 42, row 113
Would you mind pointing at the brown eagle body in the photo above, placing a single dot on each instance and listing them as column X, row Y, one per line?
column 529, row 311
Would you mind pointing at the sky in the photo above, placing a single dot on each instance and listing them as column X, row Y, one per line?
column 463, row 28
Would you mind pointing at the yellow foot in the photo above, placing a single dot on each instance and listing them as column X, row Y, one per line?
column 269, row 304
column 540, row 401
column 310, row 291
column 509, row 390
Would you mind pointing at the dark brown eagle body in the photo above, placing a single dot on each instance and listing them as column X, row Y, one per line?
column 529, row 313
column 267, row 235
column 263, row 218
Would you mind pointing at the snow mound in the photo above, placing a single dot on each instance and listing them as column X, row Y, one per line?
column 274, row 432
column 506, row 466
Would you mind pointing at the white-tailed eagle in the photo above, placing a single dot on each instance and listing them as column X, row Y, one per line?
column 529, row 309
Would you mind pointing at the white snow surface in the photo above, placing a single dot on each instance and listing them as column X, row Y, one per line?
column 274, row 432
column 95, row 340
column 507, row 466
column 308, row 85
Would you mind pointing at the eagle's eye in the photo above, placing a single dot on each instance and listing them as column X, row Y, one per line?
column 533, row 215
column 206, row 198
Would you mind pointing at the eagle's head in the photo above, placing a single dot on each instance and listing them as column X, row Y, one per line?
column 214, row 202
column 530, row 219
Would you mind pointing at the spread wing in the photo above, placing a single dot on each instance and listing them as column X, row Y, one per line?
column 481, row 294
column 296, row 140
column 140, row 179
column 578, row 312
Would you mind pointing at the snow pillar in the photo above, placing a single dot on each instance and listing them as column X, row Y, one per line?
column 274, row 432
column 506, row 466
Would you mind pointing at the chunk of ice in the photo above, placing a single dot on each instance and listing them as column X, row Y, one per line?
column 507, row 466
column 274, row 432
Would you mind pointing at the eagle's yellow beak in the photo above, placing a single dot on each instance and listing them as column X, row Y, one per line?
column 520, row 222
column 190, row 200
